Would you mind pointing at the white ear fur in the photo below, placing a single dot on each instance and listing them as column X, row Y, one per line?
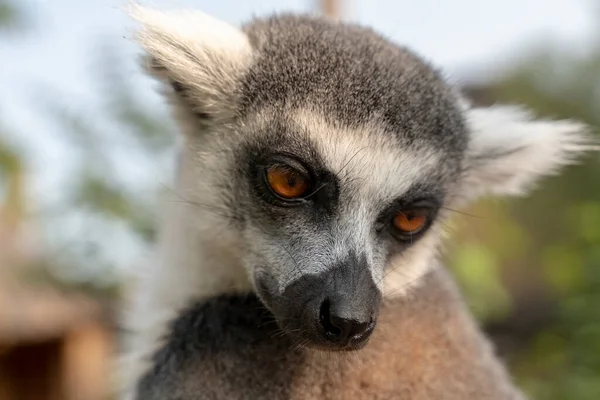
column 509, row 150
column 195, row 53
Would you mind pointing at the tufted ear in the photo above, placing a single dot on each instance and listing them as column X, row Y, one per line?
column 509, row 150
column 199, row 56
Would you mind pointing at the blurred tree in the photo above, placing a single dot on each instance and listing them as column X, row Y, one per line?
column 531, row 267
column 104, row 202
column 11, row 16
column 12, row 197
column 121, row 153
column 8, row 14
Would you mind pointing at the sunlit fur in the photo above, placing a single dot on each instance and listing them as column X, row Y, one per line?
column 374, row 114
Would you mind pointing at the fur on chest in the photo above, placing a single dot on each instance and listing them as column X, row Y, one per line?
column 425, row 346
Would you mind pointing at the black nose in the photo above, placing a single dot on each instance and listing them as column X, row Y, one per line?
column 342, row 330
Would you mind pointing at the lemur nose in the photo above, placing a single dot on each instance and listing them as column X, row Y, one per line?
column 338, row 329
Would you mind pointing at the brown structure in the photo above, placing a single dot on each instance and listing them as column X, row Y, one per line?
column 331, row 8
column 53, row 346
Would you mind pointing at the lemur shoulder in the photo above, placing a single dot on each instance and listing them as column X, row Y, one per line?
column 426, row 346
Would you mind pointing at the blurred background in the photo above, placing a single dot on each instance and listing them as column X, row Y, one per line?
column 86, row 148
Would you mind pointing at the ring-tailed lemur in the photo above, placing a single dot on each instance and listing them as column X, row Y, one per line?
column 318, row 165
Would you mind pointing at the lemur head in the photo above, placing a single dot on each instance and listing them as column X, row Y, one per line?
column 332, row 154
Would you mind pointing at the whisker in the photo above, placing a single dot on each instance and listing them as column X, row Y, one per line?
column 464, row 213
column 350, row 160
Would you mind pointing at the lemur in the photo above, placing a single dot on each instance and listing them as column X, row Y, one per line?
column 298, row 255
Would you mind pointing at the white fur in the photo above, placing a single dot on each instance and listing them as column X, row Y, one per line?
column 192, row 259
column 404, row 271
column 510, row 150
column 369, row 155
column 197, row 49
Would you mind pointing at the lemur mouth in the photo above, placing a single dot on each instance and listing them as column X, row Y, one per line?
column 344, row 333
column 321, row 311
column 324, row 330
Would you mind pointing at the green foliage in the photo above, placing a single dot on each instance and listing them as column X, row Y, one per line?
column 549, row 242
column 8, row 14
column 9, row 159
column 11, row 16
column 123, row 132
column 11, row 164
column 478, row 267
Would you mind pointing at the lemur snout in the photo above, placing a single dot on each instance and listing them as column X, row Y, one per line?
column 335, row 309
column 342, row 330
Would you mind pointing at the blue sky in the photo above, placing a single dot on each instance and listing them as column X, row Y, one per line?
column 58, row 52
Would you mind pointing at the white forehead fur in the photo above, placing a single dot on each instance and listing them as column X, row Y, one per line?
column 368, row 155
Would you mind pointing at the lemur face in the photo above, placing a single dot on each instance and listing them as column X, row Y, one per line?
column 332, row 154
column 328, row 205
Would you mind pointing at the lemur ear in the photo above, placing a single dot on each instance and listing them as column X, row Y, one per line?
column 199, row 56
column 509, row 150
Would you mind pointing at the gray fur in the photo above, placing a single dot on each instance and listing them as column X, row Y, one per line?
column 302, row 60
column 377, row 131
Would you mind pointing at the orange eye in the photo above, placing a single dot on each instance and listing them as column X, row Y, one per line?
column 410, row 221
column 287, row 182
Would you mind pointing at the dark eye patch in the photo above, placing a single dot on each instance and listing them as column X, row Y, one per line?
column 295, row 151
column 419, row 200
column 322, row 192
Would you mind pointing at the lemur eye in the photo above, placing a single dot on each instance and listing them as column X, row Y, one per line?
column 287, row 182
column 411, row 221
